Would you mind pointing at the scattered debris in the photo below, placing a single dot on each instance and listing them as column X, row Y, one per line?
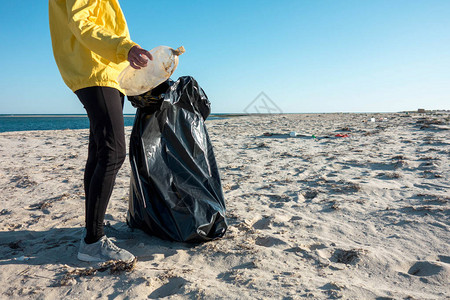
column 346, row 256
column 22, row 181
column 426, row 121
column 390, row 175
column 345, row 187
column 71, row 275
column 335, row 206
column 48, row 202
column 115, row 267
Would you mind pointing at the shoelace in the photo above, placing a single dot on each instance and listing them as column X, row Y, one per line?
column 111, row 245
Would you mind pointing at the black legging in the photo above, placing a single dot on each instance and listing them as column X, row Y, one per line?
column 106, row 154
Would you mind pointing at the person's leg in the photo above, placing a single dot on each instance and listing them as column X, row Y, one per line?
column 107, row 153
column 89, row 169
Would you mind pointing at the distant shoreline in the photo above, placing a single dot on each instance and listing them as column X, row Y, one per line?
column 222, row 115
column 50, row 115
column 226, row 115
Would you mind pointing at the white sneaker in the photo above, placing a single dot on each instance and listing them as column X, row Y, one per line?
column 102, row 250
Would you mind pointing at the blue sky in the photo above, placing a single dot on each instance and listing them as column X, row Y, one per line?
column 307, row 56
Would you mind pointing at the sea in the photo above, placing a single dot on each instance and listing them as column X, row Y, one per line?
column 13, row 122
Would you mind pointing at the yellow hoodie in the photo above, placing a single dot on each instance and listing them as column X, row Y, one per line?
column 90, row 41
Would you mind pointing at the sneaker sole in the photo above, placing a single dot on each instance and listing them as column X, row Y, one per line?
column 88, row 258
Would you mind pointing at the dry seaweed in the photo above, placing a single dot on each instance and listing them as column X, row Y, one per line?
column 114, row 267
column 70, row 275
column 347, row 256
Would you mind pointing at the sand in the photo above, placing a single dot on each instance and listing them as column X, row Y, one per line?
column 358, row 217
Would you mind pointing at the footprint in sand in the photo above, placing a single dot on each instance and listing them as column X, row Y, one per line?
column 170, row 288
column 263, row 223
column 268, row 241
column 428, row 268
column 311, row 194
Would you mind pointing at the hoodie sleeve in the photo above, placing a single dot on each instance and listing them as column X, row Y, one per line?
column 81, row 21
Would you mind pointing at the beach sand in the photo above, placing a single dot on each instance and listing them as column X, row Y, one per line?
column 358, row 217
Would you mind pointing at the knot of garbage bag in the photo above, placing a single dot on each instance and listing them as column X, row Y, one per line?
column 152, row 99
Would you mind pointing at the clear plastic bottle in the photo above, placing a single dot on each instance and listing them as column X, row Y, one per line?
column 138, row 81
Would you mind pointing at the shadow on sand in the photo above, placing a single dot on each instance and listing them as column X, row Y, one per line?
column 60, row 245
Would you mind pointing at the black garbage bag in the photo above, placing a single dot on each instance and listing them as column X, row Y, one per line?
column 175, row 188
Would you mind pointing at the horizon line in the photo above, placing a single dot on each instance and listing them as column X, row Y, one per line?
column 231, row 113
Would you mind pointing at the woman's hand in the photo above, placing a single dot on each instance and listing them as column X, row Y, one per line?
column 136, row 59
